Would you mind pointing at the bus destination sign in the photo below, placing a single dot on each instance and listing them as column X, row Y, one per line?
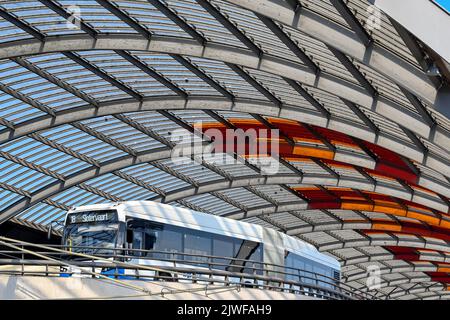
column 92, row 217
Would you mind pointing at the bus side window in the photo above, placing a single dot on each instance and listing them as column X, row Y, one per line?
column 129, row 236
column 150, row 240
column 137, row 241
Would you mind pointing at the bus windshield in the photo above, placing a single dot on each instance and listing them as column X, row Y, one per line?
column 91, row 232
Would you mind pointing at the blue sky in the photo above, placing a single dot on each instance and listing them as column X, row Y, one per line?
column 444, row 3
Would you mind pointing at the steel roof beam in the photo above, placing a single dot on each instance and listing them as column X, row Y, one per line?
column 337, row 36
column 169, row 115
column 325, row 167
column 229, row 200
column 82, row 176
column 151, row 72
column 421, row 109
column 213, row 168
column 365, row 257
column 295, row 193
column 60, row 147
column 366, row 175
column 154, row 103
column 145, row 130
column 291, row 167
column 272, row 222
column 193, row 206
column 390, row 241
column 32, row 225
column 437, row 294
column 273, row 65
column 225, row 184
column 105, row 138
column 178, row 21
column 400, row 269
column 392, row 292
column 99, row 192
column 419, row 144
column 140, row 183
column 309, row 177
column 298, row 216
column 31, row 165
column 208, row 187
column 164, row 102
column 220, row 119
column 288, row 42
column 352, row 21
column 294, row 4
column 67, row 15
column 27, row 100
column 203, row 76
column 30, row 66
column 308, row 97
column 320, row 137
column 266, row 209
column 168, row 143
column 245, row 162
column 361, row 115
column 116, row 83
column 171, row 197
column 271, row 126
column 444, row 295
column 386, row 284
column 354, row 71
column 255, row 84
column 16, row 190
column 57, row 204
column 332, row 215
column 255, row 192
column 21, row 25
column 48, row 219
column 311, row 227
column 192, row 129
column 49, row 77
column 412, row 44
column 114, row 9
column 262, row 195
column 408, row 290
column 230, row 26
column 7, row 123
column 167, row 169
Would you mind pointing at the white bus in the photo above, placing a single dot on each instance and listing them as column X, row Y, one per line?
column 159, row 234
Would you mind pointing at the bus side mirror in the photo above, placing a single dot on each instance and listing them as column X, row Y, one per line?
column 129, row 236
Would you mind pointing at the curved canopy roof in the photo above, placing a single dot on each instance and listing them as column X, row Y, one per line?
column 94, row 96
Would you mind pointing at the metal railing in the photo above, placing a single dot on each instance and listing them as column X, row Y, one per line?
column 154, row 265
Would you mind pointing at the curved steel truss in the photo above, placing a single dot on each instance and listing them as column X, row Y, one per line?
column 93, row 95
